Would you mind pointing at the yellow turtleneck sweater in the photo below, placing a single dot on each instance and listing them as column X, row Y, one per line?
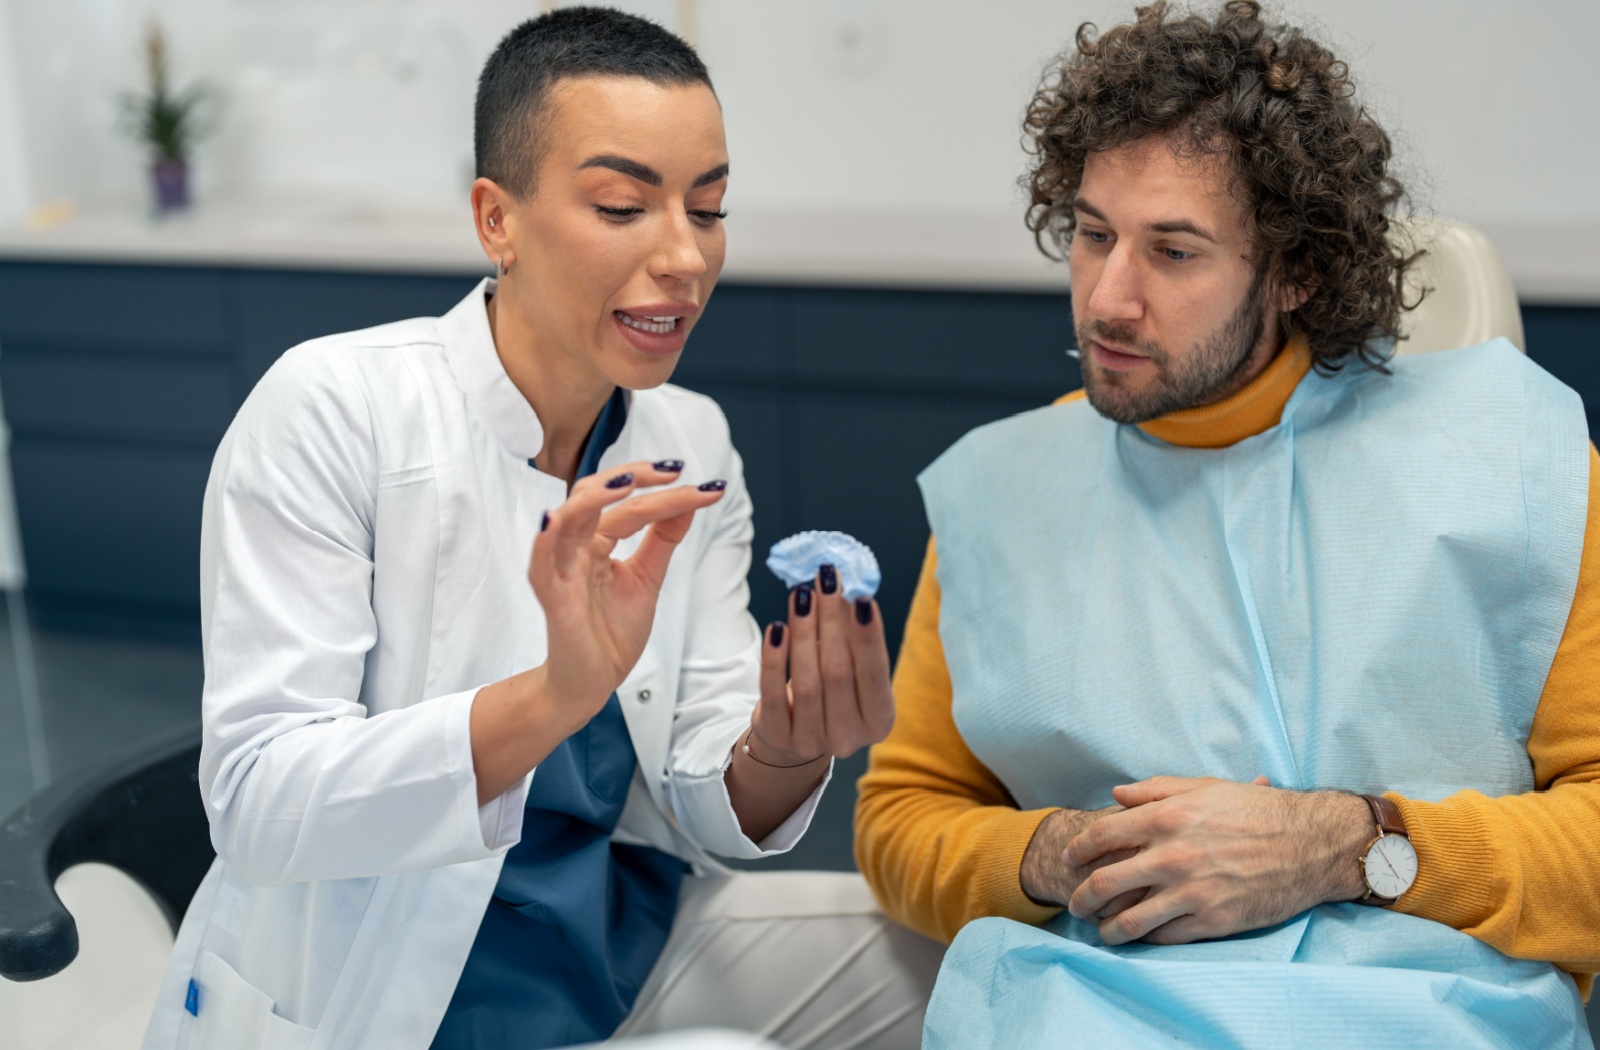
column 941, row 840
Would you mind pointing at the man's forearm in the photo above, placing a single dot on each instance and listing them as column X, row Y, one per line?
column 1046, row 877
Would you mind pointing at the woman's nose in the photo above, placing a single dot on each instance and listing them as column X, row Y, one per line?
column 678, row 254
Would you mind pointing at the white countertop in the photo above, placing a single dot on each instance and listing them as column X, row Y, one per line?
column 1548, row 262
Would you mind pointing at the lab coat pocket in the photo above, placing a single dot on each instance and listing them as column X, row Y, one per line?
column 232, row 1014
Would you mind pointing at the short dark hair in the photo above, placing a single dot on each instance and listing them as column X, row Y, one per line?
column 510, row 115
column 1310, row 165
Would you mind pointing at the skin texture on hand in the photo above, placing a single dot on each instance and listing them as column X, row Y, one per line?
column 1202, row 858
column 1048, row 876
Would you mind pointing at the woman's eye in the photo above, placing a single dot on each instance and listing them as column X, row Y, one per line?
column 706, row 218
column 618, row 213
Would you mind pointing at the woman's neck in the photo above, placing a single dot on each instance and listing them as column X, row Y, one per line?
column 566, row 394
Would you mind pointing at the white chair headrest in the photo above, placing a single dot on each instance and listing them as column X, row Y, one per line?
column 1472, row 299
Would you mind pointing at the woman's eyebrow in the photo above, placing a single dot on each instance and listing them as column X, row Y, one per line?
column 631, row 168
column 645, row 173
column 716, row 174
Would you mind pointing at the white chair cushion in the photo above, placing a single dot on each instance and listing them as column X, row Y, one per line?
column 104, row 999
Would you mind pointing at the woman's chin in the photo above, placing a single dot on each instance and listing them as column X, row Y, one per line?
column 646, row 374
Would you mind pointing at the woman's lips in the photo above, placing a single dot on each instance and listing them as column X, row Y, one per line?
column 652, row 334
column 1116, row 359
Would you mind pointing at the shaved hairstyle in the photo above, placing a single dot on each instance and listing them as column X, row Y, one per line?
column 512, row 114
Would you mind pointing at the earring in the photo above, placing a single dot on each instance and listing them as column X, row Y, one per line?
column 491, row 222
column 500, row 266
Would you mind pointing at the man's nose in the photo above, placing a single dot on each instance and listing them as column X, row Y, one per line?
column 677, row 253
column 1119, row 292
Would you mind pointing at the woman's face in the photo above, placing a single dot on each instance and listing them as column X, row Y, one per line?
column 617, row 248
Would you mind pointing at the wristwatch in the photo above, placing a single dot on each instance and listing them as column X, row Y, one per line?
column 1389, row 865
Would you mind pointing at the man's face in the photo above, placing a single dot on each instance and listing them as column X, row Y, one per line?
column 620, row 243
column 1169, row 310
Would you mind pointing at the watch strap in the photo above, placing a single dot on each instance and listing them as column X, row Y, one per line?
column 1386, row 815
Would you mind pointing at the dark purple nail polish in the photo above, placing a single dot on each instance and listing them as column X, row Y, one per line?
column 713, row 486
column 802, row 600
column 864, row 611
column 668, row 466
column 544, row 522
column 828, row 578
column 621, row 481
column 775, row 634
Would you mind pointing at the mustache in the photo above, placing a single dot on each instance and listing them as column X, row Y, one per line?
column 1121, row 335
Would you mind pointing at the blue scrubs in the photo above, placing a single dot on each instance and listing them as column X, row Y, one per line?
column 576, row 920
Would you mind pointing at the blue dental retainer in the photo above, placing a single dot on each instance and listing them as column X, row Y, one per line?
column 797, row 559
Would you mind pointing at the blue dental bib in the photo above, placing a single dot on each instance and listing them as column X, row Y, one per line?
column 1366, row 596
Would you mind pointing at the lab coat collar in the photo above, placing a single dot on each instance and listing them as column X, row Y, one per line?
column 495, row 400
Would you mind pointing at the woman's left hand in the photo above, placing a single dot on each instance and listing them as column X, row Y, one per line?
column 824, row 678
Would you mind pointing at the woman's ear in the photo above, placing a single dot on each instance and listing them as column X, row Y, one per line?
column 494, row 214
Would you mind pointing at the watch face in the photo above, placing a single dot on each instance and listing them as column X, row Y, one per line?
column 1391, row 866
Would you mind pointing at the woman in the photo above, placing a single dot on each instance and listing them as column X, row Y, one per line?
column 452, row 811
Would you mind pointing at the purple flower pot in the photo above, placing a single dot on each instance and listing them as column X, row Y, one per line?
column 171, row 180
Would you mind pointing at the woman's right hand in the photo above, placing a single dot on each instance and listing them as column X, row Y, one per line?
column 598, row 613
column 600, row 610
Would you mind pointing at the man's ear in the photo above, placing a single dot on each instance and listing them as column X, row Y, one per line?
column 1294, row 296
column 1294, row 286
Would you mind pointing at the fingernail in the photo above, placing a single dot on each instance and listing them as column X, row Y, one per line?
column 713, row 486
column 863, row 611
column 829, row 579
column 802, row 600
column 775, row 634
column 544, row 522
column 621, row 481
column 668, row 466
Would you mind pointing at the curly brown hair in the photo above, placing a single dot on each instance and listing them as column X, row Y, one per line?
column 1310, row 165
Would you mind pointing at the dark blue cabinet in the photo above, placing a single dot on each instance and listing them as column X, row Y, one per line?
column 120, row 380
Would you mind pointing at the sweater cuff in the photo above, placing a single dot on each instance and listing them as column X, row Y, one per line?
column 997, row 880
column 1455, row 863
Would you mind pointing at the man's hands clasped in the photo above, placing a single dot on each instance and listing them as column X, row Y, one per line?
column 1187, row 859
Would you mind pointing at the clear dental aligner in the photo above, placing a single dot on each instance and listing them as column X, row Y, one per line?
column 797, row 559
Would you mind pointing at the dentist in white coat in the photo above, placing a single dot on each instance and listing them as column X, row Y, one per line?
column 387, row 667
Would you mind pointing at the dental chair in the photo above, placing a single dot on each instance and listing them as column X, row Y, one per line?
column 97, row 870
column 1470, row 299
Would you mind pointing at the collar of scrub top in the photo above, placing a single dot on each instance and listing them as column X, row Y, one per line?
column 495, row 400
column 607, row 427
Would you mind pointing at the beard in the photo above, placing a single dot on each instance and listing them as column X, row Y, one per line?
column 1198, row 378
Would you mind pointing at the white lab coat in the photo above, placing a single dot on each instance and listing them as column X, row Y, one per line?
column 364, row 550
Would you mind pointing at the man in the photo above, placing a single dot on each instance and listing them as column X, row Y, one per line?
column 1175, row 627
column 469, row 797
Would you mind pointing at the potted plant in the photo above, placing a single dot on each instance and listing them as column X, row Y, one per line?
column 168, row 121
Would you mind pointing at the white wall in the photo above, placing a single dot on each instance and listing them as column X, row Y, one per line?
column 870, row 106
column 14, row 195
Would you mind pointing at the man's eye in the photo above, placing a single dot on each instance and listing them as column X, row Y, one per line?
column 1177, row 254
column 1097, row 236
column 618, row 213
